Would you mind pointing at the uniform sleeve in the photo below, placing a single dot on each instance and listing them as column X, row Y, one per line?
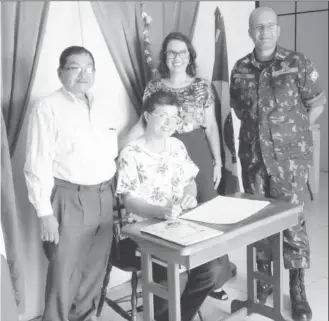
column 310, row 92
column 234, row 93
column 128, row 180
column 188, row 169
column 38, row 169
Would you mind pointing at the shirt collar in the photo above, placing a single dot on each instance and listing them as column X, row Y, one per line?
column 279, row 54
column 73, row 98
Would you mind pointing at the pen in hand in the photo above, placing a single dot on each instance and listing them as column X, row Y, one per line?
column 173, row 209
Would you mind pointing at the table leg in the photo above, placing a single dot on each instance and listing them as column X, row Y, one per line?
column 250, row 306
column 174, row 292
column 148, row 306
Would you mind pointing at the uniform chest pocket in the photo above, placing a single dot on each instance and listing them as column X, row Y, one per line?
column 285, row 89
column 246, row 93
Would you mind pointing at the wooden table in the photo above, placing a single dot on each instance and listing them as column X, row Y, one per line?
column 270, row 221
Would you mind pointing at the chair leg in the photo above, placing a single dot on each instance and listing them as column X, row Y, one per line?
column 134, row 282
column 200, row 315
column 104, row 288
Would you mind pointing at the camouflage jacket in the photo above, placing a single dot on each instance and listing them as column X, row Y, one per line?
column 272, row 101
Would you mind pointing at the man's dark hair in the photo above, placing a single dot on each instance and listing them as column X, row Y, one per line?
column 74, row 50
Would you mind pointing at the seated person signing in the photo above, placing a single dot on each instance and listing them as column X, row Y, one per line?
column 156, row 178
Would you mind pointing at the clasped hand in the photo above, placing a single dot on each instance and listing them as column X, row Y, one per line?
column 172, row 211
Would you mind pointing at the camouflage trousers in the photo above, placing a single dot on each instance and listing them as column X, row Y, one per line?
column 289, row 185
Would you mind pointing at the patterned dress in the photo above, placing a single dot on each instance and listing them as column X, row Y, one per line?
column 194, row 99
column 272, row 101
column 157, row 178
column 161, row 178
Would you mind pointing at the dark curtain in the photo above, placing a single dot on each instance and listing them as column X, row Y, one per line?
column 22, row 30
column 9, row 221
column 121, row 25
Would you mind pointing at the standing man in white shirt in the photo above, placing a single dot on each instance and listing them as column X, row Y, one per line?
column 71, row 148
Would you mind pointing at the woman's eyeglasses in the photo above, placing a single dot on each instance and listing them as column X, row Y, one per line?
column 165, row 118
column 173, row 54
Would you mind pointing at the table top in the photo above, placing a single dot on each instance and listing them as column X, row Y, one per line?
column 275, row 217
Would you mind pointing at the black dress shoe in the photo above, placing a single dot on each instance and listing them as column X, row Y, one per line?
column 219, row 295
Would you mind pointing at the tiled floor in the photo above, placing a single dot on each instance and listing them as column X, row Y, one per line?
column 316, row 278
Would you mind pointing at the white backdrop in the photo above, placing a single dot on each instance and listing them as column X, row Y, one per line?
column 73, row 23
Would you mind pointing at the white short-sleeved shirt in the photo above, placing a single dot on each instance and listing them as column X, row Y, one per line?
column 155, row 177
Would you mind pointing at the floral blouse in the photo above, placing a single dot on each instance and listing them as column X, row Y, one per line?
column 155, row 177
column 194, row 99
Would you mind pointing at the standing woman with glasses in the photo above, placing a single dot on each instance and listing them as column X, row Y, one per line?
column 198, row 129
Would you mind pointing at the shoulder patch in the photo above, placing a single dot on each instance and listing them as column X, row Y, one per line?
column 314, row 75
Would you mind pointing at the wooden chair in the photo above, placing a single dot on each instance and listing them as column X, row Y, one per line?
column 125, row 263
column 120, row 262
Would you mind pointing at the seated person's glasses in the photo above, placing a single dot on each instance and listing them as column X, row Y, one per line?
column 165, row 118
column 173, row 54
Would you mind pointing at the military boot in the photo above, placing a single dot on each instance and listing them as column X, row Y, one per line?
column 301, row 310
column 264, row 289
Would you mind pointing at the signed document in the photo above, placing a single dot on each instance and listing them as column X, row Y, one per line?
column 225, row 210
column 181, row 232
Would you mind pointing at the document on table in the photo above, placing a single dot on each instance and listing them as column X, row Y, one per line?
column 225, row 210
column 181, row 232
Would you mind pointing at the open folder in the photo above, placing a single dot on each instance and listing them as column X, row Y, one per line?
column 225, row 210
column 181, row 232
column 220, row 210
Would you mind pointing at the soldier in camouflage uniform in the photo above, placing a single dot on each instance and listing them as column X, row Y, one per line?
column 275, row 94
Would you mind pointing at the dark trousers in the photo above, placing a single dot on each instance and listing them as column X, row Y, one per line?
column 195, row 285
column 77, row 264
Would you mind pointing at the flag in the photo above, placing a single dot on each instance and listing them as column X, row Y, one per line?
column 220, row 83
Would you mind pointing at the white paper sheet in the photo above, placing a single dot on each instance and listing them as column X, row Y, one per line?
column 225, row 210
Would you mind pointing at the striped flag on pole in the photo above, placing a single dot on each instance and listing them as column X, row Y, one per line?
column 220, row 81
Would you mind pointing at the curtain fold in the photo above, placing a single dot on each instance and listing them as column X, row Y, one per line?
column 134, row 32
column 121, row 26
column 9, row 221
column 23, row 26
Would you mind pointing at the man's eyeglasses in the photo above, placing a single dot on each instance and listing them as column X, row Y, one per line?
column 77, row 70
column 181, row 54
column 269, row 26
column 165, row 118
